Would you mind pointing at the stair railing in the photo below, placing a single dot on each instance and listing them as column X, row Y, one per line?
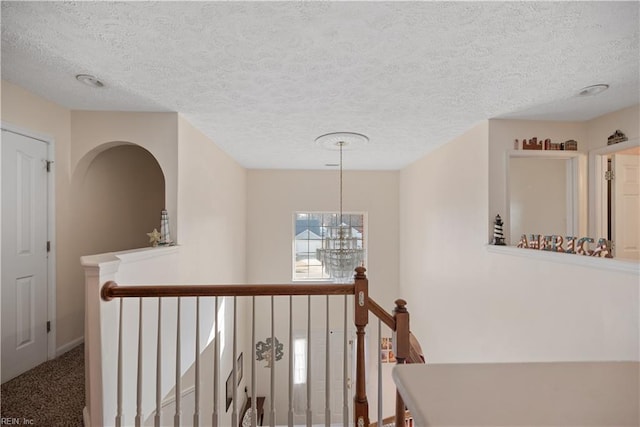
column 398, row 322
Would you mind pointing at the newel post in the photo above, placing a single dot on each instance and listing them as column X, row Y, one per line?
column 361, row 318
column 402, row 348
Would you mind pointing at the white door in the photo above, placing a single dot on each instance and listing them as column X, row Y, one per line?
column 626, row 206
column 336, row 383
column 24, row 253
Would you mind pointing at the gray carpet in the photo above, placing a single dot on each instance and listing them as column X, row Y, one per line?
column 49, row 395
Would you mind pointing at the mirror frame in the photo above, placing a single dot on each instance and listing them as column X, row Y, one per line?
column 598, row 185
column 576, row 183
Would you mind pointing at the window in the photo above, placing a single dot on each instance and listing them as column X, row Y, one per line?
column 300, row 361
column 310, row 230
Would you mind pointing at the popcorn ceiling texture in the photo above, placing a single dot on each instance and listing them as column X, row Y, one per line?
column 263, row 80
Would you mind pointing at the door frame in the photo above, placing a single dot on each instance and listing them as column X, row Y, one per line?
column 598, row 217
column 51, row 230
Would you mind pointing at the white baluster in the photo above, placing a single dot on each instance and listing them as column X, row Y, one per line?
column 138, row 419
column 216, row 364
column 119, row 391
column 234, row 412
column 379, row 371
column 309, row 413
column 178, row 414
column 291, row 373
column 254, row 414
column 327, row 382
column 158, row 415
column 272, row 397
column 345, row 369
column 196, row 410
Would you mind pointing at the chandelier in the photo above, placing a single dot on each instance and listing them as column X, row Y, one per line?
column 340, row 254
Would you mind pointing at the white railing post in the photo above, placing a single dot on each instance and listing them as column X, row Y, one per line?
column 272, row 402
column 291, row 355
column 100, row 406
column 216, row 364
column 119, row 387
column 158, row 414
column 309, row 413
column 327, row 374
column 178, row 413
column 196, row 409
column 345, row 367
column 139, row 419
column 234, row 404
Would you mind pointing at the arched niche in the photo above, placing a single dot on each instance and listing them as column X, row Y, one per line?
column 118, row 193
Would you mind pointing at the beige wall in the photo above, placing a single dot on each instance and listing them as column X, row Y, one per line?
column 537, row 197
column 599, row 129
column 212, row 204
column 272, row 198
column 478, row 306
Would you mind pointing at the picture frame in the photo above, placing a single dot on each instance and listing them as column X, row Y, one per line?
column 240, row 367
column 229, row 390
column 386, row 350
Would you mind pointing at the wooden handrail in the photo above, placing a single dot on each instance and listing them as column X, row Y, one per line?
column 407, row 348
column 381, row 314
column 111, row 290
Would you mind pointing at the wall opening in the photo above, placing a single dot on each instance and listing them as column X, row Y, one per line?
column 119, row 200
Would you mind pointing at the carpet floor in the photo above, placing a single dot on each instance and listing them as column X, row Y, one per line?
column 49, row 395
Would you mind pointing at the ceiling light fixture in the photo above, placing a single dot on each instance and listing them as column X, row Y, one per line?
column 89, row 80
column 340, row 254
column 593, row 90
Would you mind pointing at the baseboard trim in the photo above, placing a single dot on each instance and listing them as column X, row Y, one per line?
column 86, row 417
column 68, row 346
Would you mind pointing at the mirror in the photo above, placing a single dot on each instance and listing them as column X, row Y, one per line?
column 614, row 182
column 542, row 190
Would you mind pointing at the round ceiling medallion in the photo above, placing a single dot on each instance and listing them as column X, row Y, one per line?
column 346, row 140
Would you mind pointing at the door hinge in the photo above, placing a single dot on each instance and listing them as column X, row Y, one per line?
column 609, row 176
column 48, row 326
column 49, row 162
column 48, row 246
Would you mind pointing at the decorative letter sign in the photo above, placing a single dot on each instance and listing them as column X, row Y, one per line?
column 574, row 246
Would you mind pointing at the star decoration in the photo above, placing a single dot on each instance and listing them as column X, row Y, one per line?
column 154, row 237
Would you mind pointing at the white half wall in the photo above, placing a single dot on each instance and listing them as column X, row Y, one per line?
column 479, row 306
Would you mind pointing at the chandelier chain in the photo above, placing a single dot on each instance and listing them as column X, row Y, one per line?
column 341, row 145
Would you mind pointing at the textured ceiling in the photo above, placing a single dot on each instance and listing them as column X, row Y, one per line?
column 264, row 79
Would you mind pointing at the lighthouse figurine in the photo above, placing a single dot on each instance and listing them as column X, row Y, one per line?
column 165, row 236
column 498, row 236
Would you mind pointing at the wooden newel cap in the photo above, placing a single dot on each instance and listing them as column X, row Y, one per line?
column 105, row 292
column 401, row 305
column 360, row 272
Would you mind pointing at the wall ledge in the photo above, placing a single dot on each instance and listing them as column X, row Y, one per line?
column 617, row 265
